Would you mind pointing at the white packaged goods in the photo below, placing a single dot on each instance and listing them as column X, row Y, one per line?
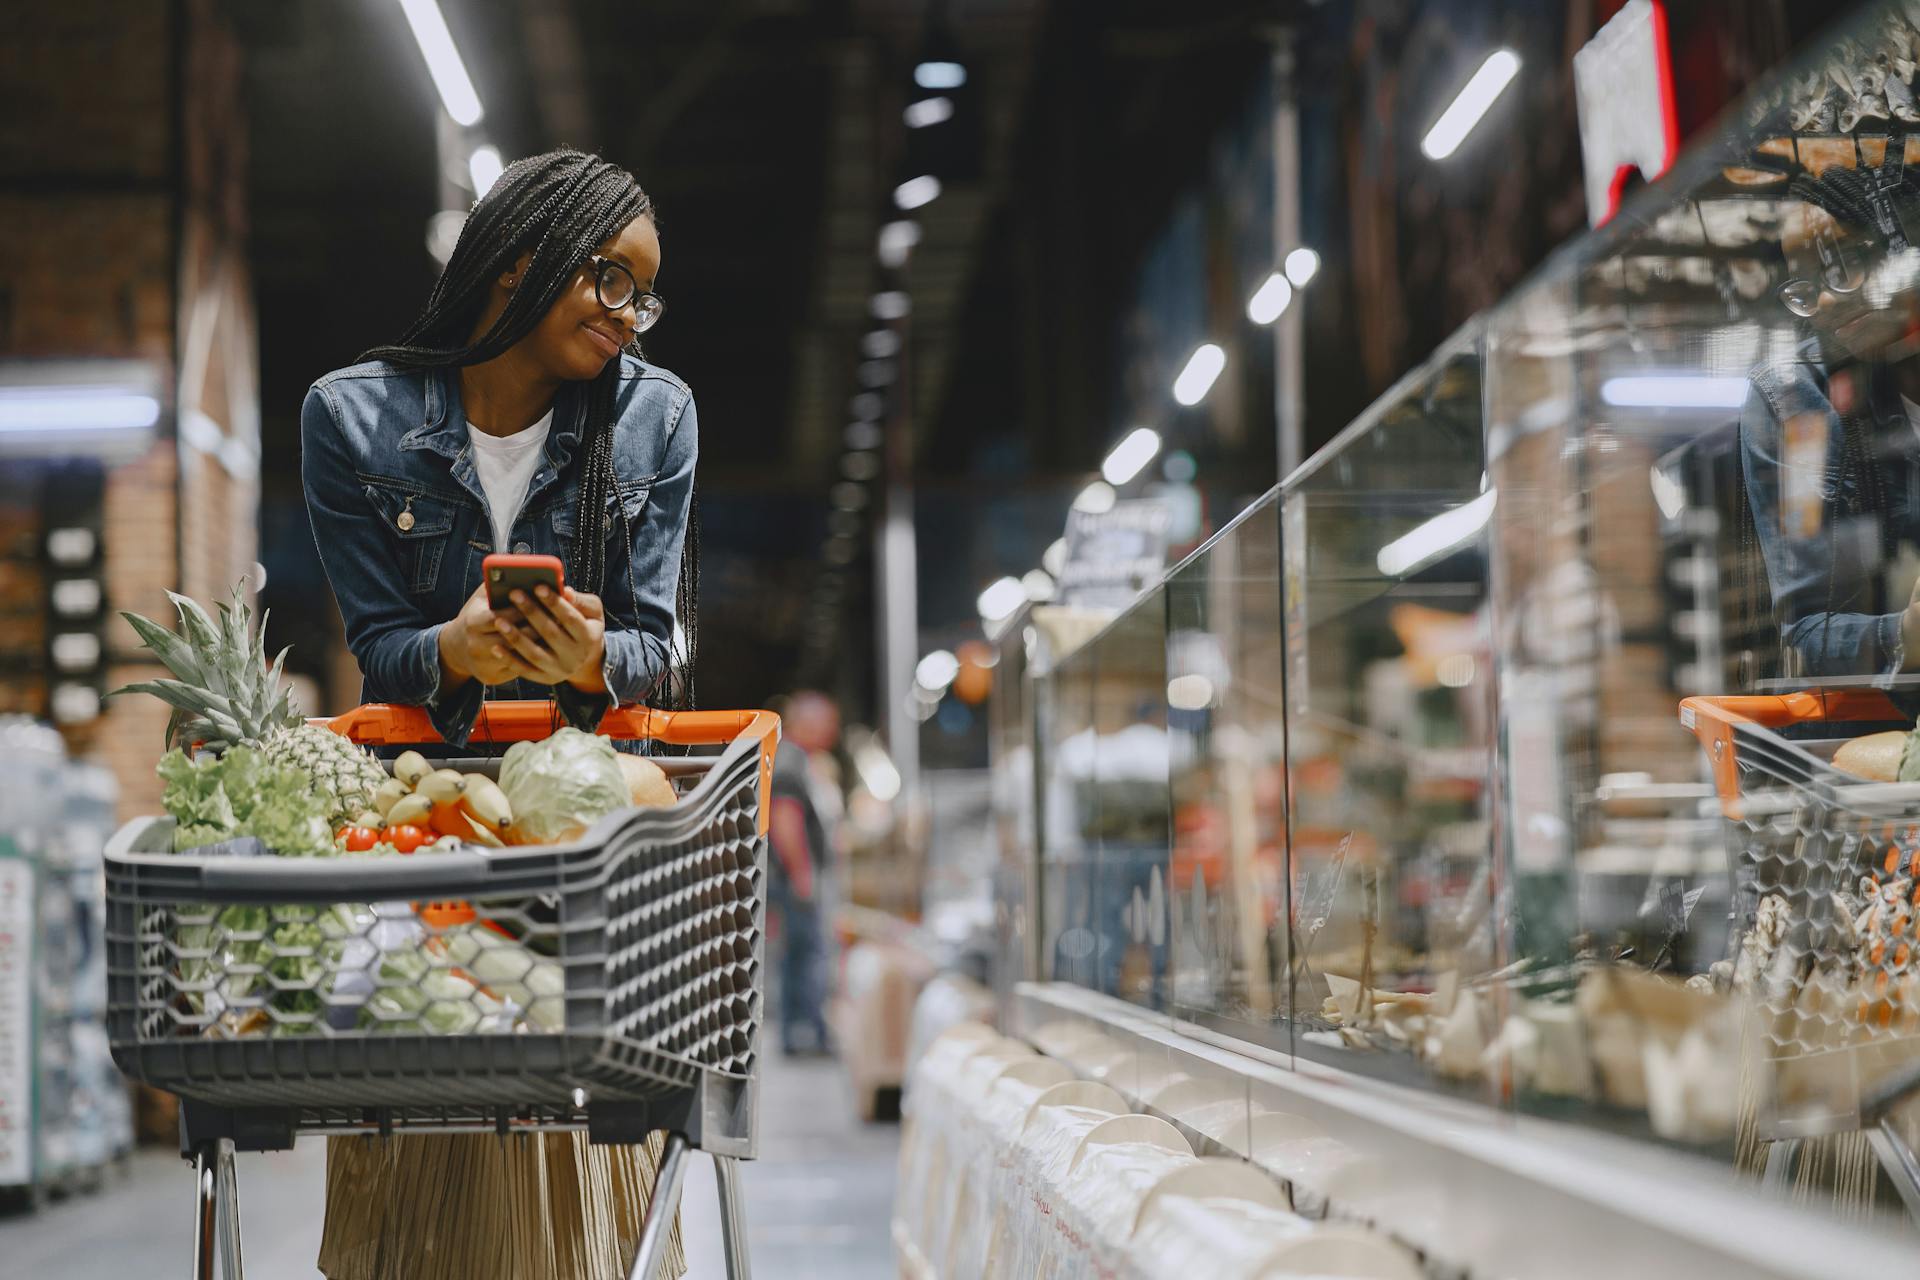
column 988, row 1161
column 1116, row 1168
column 16, row 1020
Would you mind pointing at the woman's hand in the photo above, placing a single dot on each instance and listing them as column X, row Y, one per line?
column 556, row 639
column 471, row 649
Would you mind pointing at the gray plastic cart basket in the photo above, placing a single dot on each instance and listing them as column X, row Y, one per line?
column 613, row 984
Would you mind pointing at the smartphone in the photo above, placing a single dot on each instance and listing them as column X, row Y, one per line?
column 506, row 574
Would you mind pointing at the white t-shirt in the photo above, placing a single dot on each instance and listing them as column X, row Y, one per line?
column 506, row 465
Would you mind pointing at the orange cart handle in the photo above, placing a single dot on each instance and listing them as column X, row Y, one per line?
column 1712, row 721
column 386, row 724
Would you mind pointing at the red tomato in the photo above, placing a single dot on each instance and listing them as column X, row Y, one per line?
column 406, row 837
column 358, row 839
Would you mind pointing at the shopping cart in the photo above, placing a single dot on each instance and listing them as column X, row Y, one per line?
column 625, row 969
column 1826, row 880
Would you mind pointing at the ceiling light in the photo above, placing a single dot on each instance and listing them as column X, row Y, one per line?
column 891, row 305
column 847, row 496
column 443, row 60
column 1054, row 558
column 1427, row 542
column 928, row 111
column 76, row 651
column 867, row 406
column 876, row 769
column 881, row 344
column 1203, row 366
column 1131, row 455
column 1096, row 499
column 41, row 408
column 1458, row 120
column 863, row 435
column 843, row 524
column 859, row 466
column 897, row 239
column 1190, row 693
column 876, row 373
column 1680, row 391
column 1302, row 265
column 484, row 165
column 915, row 192
column 72, row 547
column 75, row 703
column 936, row 671
column 939, row 75
column 1270, row 301
column 76, row 597
column 1038, row 584
column 999, row 601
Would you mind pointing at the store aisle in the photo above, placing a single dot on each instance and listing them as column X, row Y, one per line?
column 818, row 1202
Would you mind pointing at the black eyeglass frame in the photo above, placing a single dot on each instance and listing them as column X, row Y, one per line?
column 643, row 317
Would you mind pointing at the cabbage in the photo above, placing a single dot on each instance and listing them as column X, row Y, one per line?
column 560, row 787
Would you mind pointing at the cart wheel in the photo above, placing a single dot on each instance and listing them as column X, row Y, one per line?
column 216, row 1211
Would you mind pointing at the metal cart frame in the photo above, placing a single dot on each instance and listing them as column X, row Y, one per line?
column 662, row 915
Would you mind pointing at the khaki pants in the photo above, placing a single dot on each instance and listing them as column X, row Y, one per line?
column 546, row 1206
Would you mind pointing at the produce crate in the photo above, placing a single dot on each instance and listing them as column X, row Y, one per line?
column 262, row 990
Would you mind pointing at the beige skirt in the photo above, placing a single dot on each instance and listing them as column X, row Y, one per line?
column 547, row 1206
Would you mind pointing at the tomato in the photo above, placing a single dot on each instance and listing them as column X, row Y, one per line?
column 406, row 837
column 357, row 839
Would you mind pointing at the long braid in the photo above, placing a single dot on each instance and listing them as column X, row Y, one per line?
column 559, row 207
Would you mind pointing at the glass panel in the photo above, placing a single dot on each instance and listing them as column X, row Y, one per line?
column 1069, row 814
column 1226, row 742
column 1389, row 735
column 1011, row 763
column 1130, row 768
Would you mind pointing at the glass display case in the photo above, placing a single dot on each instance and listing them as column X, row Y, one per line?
column 1544, row 740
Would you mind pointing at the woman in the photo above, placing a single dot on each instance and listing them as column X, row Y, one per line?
column 516, row 414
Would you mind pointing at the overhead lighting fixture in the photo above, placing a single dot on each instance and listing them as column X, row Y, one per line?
column 1038, row 584
column 940, row 75
column 891, row 305
column 29, row 409
column 859, row 466
column 1302, row 265
column 1677, row 391
column 876, row 373
column 76, row 651
column 1269, row 301
column 847, row 496
column 867, row 406
column 936, row 671
column 915, row 192
column 998, row 601
column 76, row 597
column 1131, row 455
column 1054, row 558
column 1203, row 366
column 72, row 548
column 1190, row 693
column 1464, row 112
column 484, row 166
column 863, row 435
column 877, row 770
column 1096, row 499
column 928, row 112
column 897, row 240
column 443, row 60
column 1427, row 542
column 880, row 344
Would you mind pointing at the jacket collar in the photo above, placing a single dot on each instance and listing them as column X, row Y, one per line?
column 443, row 426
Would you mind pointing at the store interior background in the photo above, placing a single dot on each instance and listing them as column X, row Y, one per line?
column 230, row 199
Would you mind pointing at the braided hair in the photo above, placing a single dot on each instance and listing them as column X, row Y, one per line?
column 559, row 207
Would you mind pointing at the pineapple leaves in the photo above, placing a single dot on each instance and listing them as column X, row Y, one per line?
column 223, row 688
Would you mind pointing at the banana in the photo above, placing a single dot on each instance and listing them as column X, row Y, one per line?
column 388, row 794
column 411, row 767
column 370, row 819
column 486, row 803
column 413, row 808
column 442, row 786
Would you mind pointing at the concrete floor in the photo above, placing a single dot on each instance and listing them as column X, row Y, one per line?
column 817, row 1200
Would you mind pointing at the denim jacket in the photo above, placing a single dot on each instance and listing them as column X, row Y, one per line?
column 1827, row 581
column 401, row 522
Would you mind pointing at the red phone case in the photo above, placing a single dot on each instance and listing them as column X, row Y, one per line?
column 504, row 573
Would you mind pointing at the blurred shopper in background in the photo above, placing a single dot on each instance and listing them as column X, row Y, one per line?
column 801, row 835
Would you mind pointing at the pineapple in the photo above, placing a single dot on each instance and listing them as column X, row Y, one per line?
column 224, row 692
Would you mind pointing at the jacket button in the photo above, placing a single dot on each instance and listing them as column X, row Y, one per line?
column 404, row 520
column 521, row 548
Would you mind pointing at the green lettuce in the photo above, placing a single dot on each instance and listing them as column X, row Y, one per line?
column 240, row 793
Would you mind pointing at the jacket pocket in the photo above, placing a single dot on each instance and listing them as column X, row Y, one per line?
column 422, row 524
column 626, row 504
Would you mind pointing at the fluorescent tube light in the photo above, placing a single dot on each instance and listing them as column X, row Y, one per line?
column 936, row 671
column 939, row 75
column 1674, row 391
column 1270, row 300
column 1038, row 584
column 484, row 165
column 443, row 60
column 1464, row 112
column 39, row 408
column 1130, row 455
column 915, row 192
column 999, row 601
column 1096, row 499
column 928, row 112
column 1427, row 542
column 1203, row 366
column 897, row 239
column 1302, row 265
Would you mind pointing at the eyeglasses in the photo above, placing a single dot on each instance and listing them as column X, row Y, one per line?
column 616, row 287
